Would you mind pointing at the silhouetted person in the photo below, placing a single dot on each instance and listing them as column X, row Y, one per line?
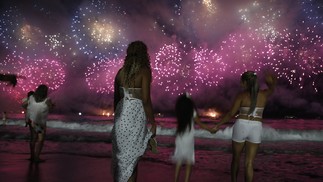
column 4, row 118
column 133, row 109
column 186, row 116
column 248, row 126
column 37, row 111
column 24, row 105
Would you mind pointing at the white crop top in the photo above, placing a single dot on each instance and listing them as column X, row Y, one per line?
column 257, row 112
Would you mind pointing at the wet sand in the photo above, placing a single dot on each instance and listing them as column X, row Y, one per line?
column 69, row 167
column 72, row 168
column 75, row 161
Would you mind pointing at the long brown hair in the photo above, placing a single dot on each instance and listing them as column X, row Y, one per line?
column 137, row 57
column 41, row 93
column 250, row 78
column 184, row 109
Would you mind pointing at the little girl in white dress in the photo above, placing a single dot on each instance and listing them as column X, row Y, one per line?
column 186, row 116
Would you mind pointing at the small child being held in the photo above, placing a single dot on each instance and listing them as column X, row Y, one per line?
column 39, row 105
column 24, row 105
column 186, row 115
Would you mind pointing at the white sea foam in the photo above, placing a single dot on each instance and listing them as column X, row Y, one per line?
column 269, row 133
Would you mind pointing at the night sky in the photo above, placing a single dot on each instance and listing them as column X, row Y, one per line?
column 202, row 47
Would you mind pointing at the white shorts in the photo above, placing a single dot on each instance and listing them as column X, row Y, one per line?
column 246, row 130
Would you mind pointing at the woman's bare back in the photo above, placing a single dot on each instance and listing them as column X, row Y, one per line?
column 261, row 99
column 137, row 82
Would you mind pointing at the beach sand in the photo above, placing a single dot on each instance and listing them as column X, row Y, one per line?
column 80, row 161
column 15, row 167
column 70, row 167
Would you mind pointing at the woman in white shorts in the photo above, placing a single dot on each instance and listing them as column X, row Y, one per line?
column 248, row 127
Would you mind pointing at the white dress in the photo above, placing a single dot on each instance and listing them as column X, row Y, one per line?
column 130, row 134
column 37, row 112
column 184, row 145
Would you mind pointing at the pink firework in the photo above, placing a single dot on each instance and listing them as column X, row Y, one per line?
column 11, row 64
column 179, row 68
column 299, row 57
column 167, row 65
column 33, row 72
column 242, row 52
column 209, row 67
column 100, row 76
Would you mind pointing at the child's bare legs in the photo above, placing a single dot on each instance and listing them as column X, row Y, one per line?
column 188, row 171
column 177, row 170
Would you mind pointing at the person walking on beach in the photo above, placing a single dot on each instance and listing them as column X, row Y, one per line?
column 24, row 106
column 248, row 126
column 186, row 115
column 133, row 109
column 4, row 118
column 37, row 111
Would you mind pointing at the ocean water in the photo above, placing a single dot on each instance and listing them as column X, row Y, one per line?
column 291, row 148
column 273, row 130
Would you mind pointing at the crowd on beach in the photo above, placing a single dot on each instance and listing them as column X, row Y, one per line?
column 133, row 109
